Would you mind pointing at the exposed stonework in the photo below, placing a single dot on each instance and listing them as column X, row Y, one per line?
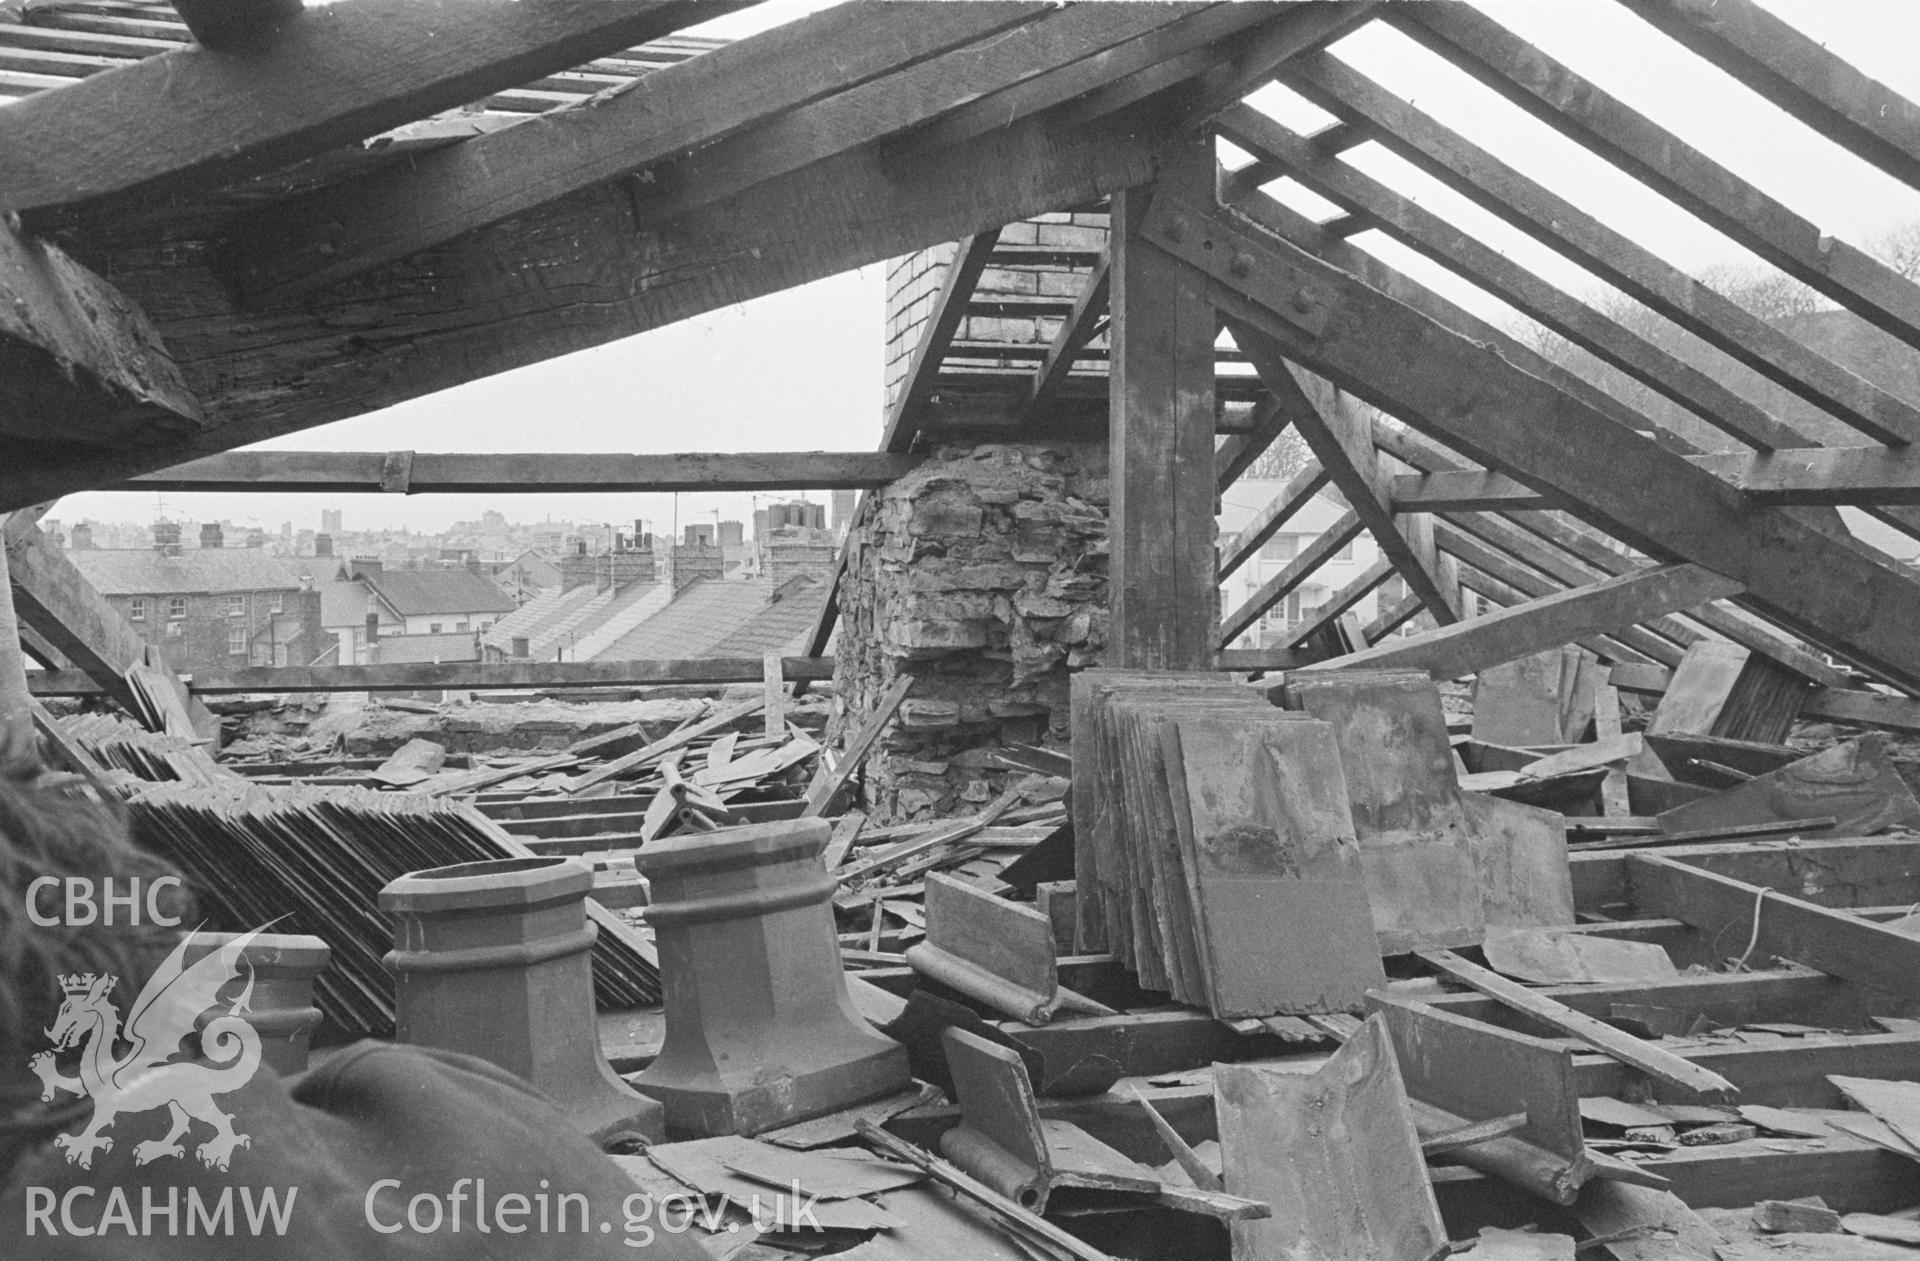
column 984, row 575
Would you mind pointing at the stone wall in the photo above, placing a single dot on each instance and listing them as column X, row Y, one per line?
column 983, row 574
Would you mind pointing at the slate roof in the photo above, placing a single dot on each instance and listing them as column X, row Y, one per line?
column 781, row 626
column 705, row 612
column 423, row 592
column 197, row 571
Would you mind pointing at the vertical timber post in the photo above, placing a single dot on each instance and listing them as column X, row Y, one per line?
column 15, row 702
column 1160, row 433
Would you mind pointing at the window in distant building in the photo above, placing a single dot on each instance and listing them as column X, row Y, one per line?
column 1345, row 553
column 176, row 606
column 176, row 630
column 433, row 628
column 137, row 610
column 279, row 654
column 1280, row 547
column 460, row 626
column 276, row 603
column 237, row 640
column 236, row 606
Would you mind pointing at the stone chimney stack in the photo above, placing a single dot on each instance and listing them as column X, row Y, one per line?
column 82, row 537
column 323, row 545
column 211, row 535
column 166, row 538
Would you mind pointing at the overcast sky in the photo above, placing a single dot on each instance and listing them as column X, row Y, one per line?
column 803, row 369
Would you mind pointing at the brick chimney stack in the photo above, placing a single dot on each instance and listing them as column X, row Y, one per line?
column 211, row 535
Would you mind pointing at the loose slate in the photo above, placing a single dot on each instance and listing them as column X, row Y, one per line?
column 1334, row 1153
column 1550, row 958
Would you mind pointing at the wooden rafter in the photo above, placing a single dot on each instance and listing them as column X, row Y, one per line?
column 569, row 276
column 1475, row 644
column 1420, row 229
column 1079, row 328
column 1699, row 185
column 295, row 246
column 1292, row 497
column 1802, row 476
column 1388, row 354
column 1340, row 436
column 1340, row 602
column 333, row 76
column 1609, row 254
column 236, row 24
column 1598, row 557
column 426, row 472
column 1277, row 588
column 1801, row 76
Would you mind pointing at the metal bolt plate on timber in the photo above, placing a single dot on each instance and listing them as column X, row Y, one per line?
column 1236, row 259
column 396, row 473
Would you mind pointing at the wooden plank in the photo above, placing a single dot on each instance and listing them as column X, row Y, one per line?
column 1644, row 1056
column 1588, row 115
column 478, row 675
column 1338, row 432
column 1863, row 709
column 1801, row 76
column 1728, row 910
column 1699, row 689
column 1295, row 495
column 828, row 780
column 1160, row 441
column 83, row 363
column 774, row 692
column 301, row 244
column 1611, row 255
column 655, row 749
column 331, row 77
column 1472, row 398
column 571, row 275
column 1455, row 651
column 352, row 472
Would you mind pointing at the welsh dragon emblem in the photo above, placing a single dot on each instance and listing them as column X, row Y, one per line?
column 143, row 1079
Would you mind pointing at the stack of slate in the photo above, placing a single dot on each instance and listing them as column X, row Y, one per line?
column 315, row 860
column 1216, row 853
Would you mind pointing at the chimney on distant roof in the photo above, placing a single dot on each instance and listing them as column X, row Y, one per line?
column 323, row 545
column 362, row 566
column 166, row 538
column 82, row 537
column 211, row 536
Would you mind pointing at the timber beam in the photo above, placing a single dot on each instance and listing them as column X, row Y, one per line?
column 1833, row 591
column 1801, row 476
column 1160, row 441
column 573, row 274
column 1611, row 255
column 1277, row 588
column 1801, row 76
column 479, row 675
column 1292, row 497
column 1600, row 608
column 1847, row 706
column 1696, row 183
column 79, row 362
column 330, row 77
column 425, row 472
column 1339, row 433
